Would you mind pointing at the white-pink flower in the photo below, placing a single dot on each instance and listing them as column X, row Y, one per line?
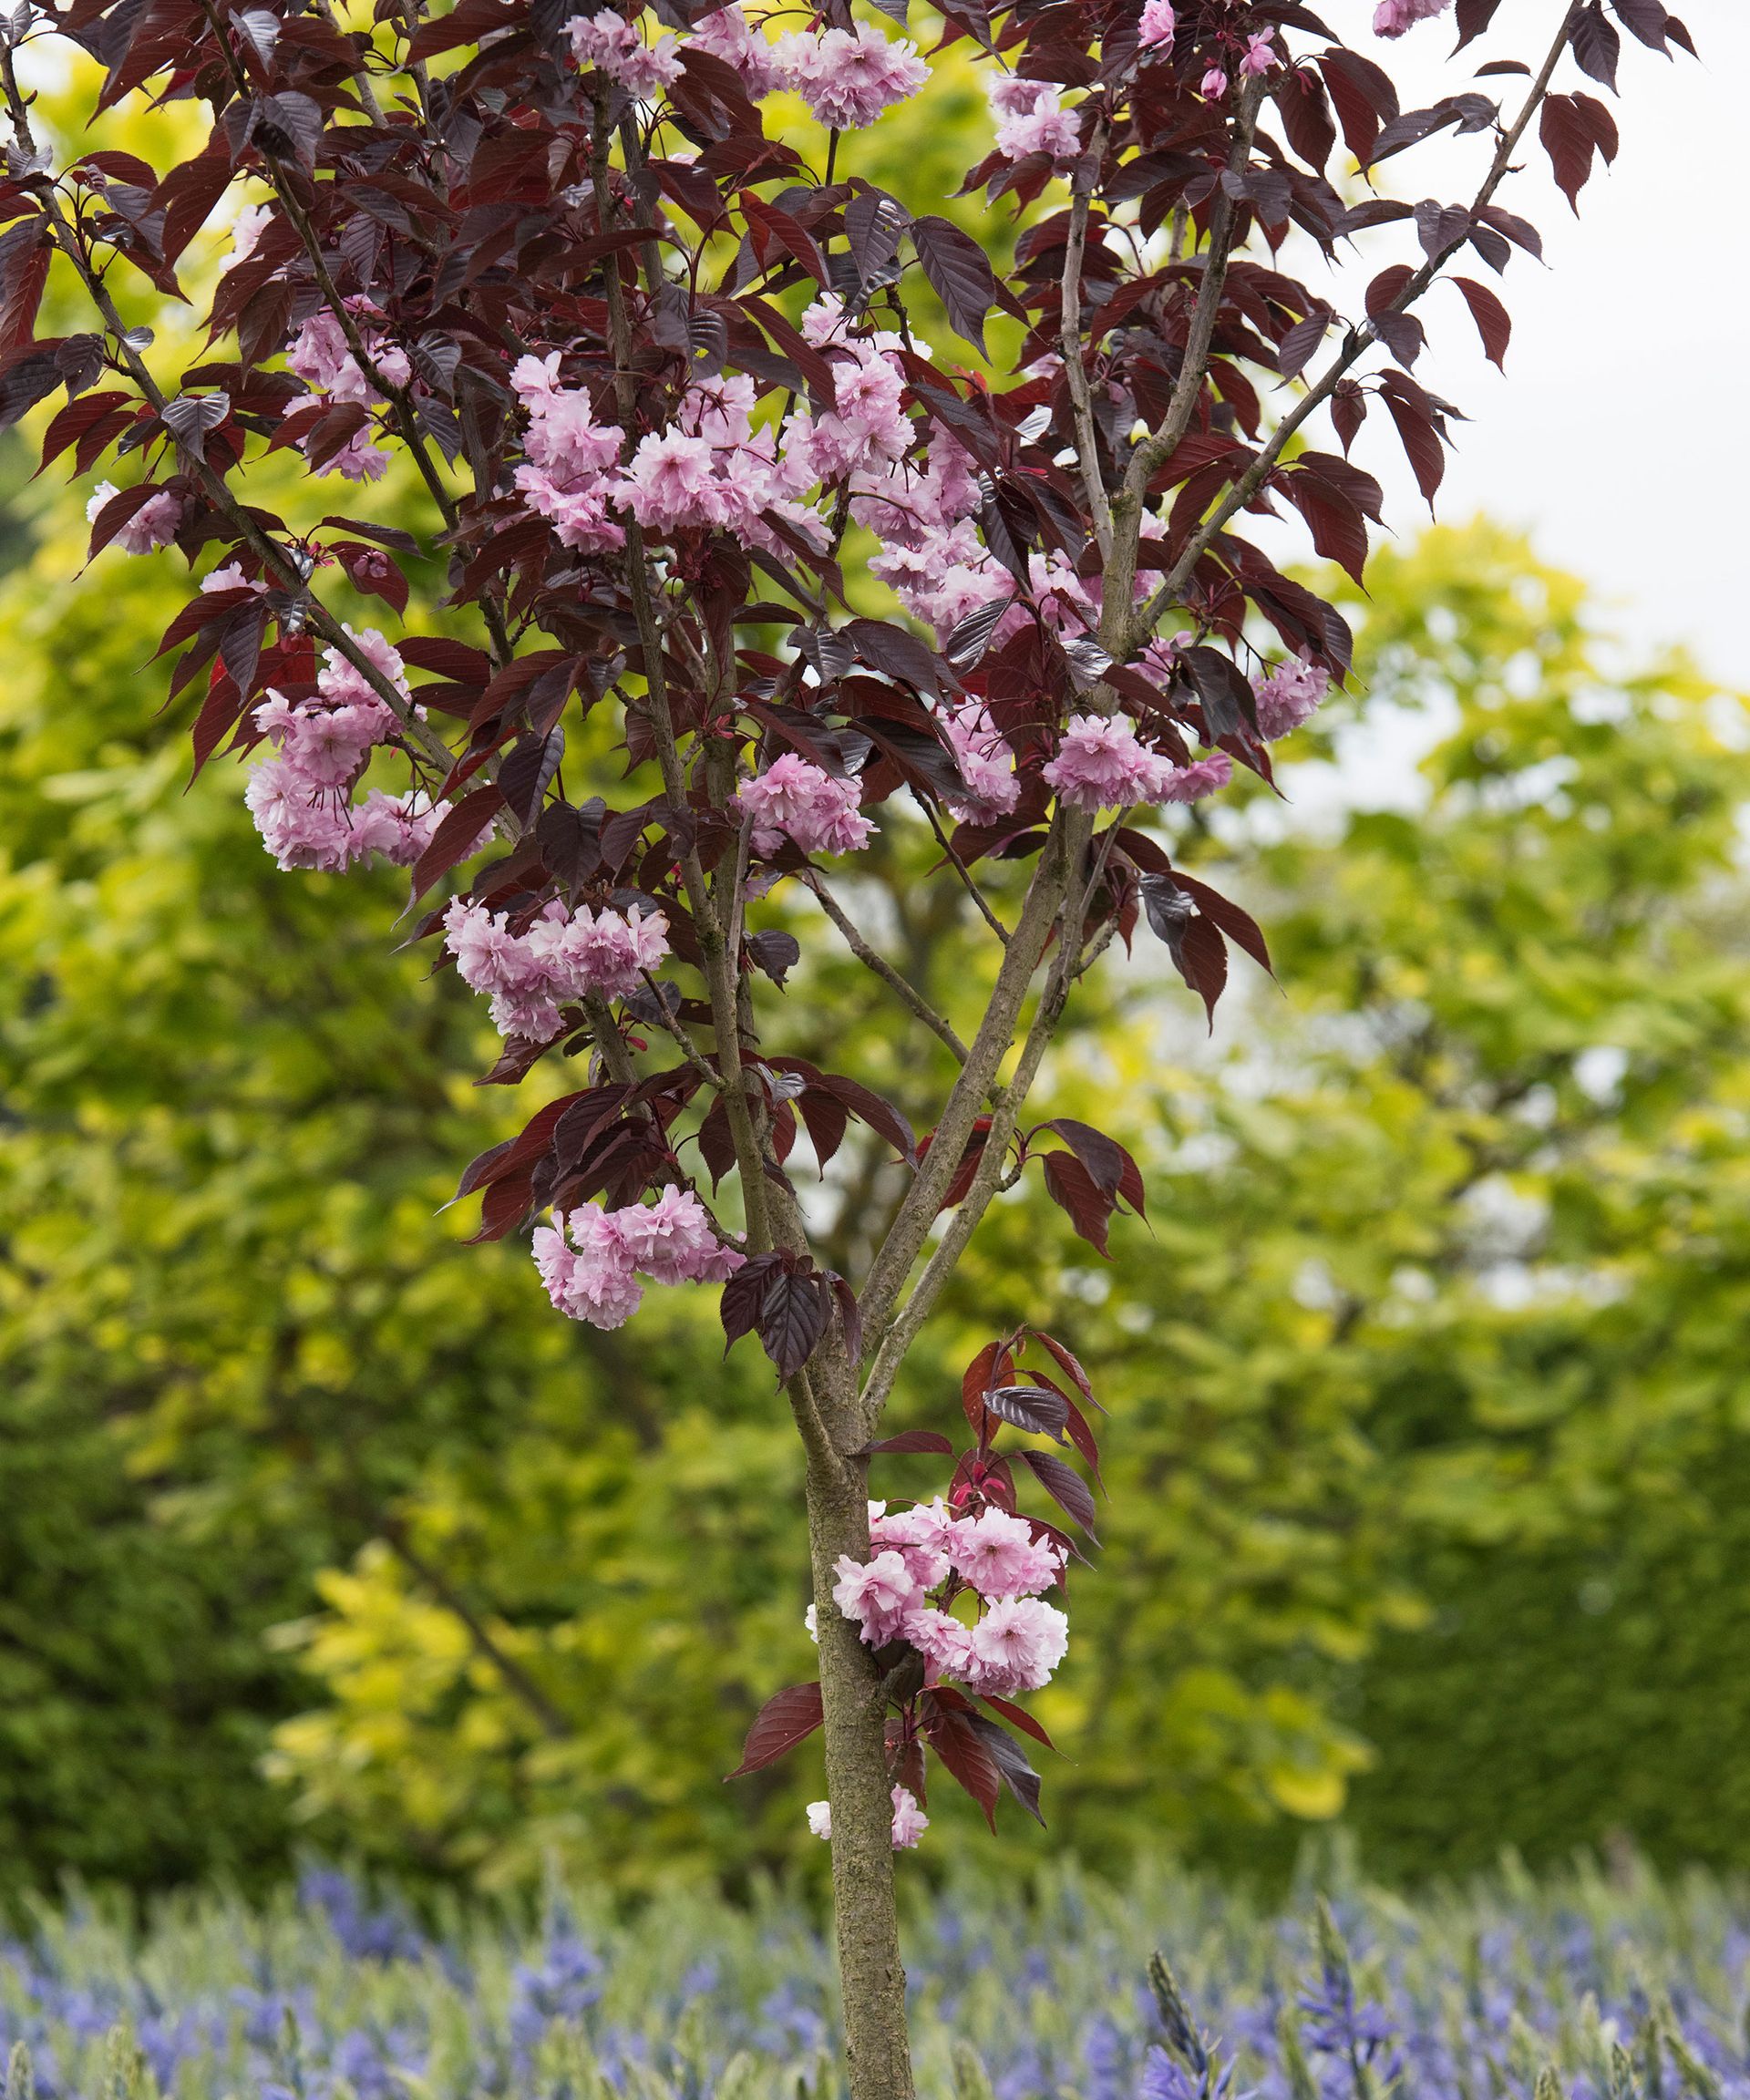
column 609, row 44
column 848, row 78
column 1261, row 54
column 797, row 799
column 997, row 1554
column 1202, row 777
column 1393, row 17
column 910, row 1822
column 152, row 526
column 673, row 1239
column 1100, row 765
column 728, row 33
column 986, row 765
column 1047, row 128
column 941, row 1640
column 1011, row 95
column 876, row 1593
column 1290, row 696
column 1016, row 1645
column 1157, row 25
column 820, row 1814
column 919, row 1536
column 586, row 1268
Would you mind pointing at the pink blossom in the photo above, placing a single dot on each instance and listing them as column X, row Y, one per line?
column 358, row 459
column 797, row 799
column 1393, row 17
column 246, row 231
column 1191, row 783
column 341, row 685
column 1261, row 54
column 986, row 765
column 910, row 1822
column 728, row 33
column 878, row 1594
column 919, row 1536
column 229, row 577
column 609, row 44
column 559, row 958
column 322, row 746
column 580, row 517
column 673, row 1239
column 996, row 1553
column 848, row 78
column 1290, row 696
column 152, row 526
column 321, row 356
column 397, row 827
column 586, row 1269
column 943, row 1642
column 672, row 482
column 563, row 436
column 1213, row 85
column 1011, row 95
column 1046, row 128
column 1101, row 766
column 1157, row 25
column 1017, row 1644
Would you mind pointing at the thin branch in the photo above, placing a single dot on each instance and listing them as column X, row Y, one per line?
column 1360, row 339
column 1224, row 216
column 965, row 874
column 515, row 1676
column 902, row 988
column 1069, row 339
column 609, row 1040
column 672, row 1022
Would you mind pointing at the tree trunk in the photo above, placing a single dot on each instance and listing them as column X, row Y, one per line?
column 872, row 1978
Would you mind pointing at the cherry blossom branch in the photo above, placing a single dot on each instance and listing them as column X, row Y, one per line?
column 1360, row 339
column 278, row 560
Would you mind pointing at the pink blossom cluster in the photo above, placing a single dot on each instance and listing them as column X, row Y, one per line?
column 589, row 1259
column 607, row 43
column 1032, row 119
column 931, row 557
column 1017, row 1640
column 728, row 33
column 1290, row 696
column 1393, row 17
column 301, row 797
column 562, row 956
column 794, row 799
column 1157, row 25
column 246, row 231
column 910, row 1822
column 321, row 356
column 986, row 765
column 849, row 77
column 867, row 430
column 1100, row 765
column 571, row 471
column 152, row 526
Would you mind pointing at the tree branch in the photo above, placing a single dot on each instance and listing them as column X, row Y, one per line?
column 902, row 989
column 1360, row 339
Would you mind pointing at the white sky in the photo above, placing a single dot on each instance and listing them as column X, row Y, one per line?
column 1617, row 434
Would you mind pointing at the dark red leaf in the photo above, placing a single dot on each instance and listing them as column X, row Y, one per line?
column 788, row 1717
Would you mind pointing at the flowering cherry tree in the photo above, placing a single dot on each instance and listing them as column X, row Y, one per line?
column 649, row 366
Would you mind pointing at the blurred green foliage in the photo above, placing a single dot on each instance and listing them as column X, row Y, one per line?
column 1425, row 1370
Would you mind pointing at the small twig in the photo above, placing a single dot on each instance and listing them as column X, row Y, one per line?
column 902, row 988
column 609, row 1040
column 670, row 1021
column 1069, row 339
column 965, row 874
